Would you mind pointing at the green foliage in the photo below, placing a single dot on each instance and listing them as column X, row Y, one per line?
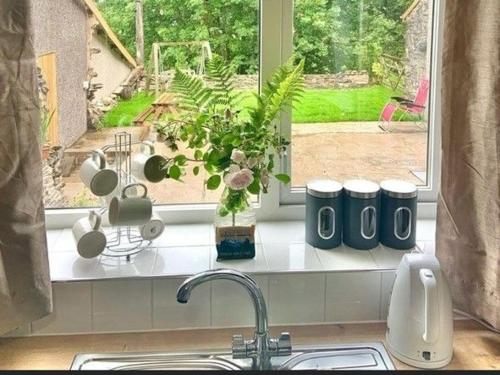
column 331, row 35
column 45, row 120
column 232, row 148
column 126, row 110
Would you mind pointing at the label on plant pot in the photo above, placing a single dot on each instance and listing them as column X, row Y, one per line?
column 235, row 242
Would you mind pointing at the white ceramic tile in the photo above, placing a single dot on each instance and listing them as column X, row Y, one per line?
column 121, row 305
column 139, row 265
column 185, row 235
column 296, row 298
column 22, row 331
column 344, row 258
column 182, row 260
column 72, row 310
column 170, row 314
column 52, row 237
column 426, row 230
column 67, row 266
column 231, row 304
column 385, row 293
column 65, row 242
column 256, row 264
column 387, row 258
column 281, row 232
column 352, row 296
column 291, row 257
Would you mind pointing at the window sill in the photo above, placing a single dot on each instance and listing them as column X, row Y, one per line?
column 184, row 250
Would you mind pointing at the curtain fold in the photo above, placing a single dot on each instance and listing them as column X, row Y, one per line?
column 25, row 288
column 468, row 219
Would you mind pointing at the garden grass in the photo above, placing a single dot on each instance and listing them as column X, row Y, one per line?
column 126, row 110
column 316, row 105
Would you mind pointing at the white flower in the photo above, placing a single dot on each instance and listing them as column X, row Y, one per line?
column 239, row 180
column 238, row 156
column 234, row 168
column 252, row 162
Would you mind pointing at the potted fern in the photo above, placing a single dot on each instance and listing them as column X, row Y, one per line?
column 236, row 146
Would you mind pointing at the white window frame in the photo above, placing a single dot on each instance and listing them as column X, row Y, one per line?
column 276, row 45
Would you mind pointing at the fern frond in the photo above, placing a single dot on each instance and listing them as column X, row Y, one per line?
column 221, row 78
column 194, row 95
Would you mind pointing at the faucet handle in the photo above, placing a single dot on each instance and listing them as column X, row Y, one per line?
column 284, row 344
column 239, row 347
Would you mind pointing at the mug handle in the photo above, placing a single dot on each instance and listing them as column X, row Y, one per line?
column 94, row 216
column 101, row 158
column 124, row 191
column 148, row 145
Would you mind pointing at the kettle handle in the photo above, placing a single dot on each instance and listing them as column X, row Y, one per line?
column 431, row 307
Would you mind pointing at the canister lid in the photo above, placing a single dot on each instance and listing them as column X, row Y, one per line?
column 399, row 189
column 361, row 188
column 324, row 188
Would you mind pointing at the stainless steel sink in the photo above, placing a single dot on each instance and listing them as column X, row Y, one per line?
column 363, row 356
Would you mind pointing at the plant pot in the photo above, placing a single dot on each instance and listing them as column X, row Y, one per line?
column 235, row 235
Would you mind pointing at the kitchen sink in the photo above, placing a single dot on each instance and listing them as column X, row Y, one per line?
column 362, row 356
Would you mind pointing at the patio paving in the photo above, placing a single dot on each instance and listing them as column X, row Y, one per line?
column 336, row 150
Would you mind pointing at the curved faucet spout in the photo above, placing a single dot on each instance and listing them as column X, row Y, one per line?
column 184, row 292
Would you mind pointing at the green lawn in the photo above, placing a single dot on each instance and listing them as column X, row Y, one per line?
column 317, row 105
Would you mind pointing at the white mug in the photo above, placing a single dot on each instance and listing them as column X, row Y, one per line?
column 130, row 210
column 152, row 229
column 147, row 166
column 100, row 180
column 89, row 237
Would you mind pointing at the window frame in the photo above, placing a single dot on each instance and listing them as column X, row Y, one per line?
column 276, row 46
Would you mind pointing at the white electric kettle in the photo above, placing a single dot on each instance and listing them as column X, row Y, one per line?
column 420, row 321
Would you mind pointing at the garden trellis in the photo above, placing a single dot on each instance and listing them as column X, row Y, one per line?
column 158, row 60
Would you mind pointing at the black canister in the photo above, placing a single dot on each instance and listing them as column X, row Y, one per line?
column 361, row 214
column 398, row 214
column 324, row 214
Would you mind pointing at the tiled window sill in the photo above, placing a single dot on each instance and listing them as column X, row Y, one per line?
column 187, row 249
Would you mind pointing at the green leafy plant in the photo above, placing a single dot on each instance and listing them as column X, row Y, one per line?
column 236, row 151
column 46, row 119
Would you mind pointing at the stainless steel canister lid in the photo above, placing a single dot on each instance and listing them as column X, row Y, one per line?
column 361, row 188
column 324, row 188
column 399, row 189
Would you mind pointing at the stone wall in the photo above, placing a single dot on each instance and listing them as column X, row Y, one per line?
column 417, row 47
column 347, row 79
column 52, row 179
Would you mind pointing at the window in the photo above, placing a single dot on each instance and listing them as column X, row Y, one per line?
column 369, row 106
column 359, row 54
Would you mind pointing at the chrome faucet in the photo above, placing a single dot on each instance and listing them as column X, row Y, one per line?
column 262, row 347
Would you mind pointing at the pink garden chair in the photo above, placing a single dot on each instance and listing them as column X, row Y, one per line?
column 414, row 107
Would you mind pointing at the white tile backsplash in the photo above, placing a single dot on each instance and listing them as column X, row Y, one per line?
column 283, row 232
column 385, row 292
column 170, row 314
column 231, row 304
column 387, row 258
column 344, row 258
column 69, row 266
column 185, row 235
column 295, row 256
column 72, row 310
column 139, row 265
column 121, row 305
column 296, row 298
column 352, row 296
column 182, row 260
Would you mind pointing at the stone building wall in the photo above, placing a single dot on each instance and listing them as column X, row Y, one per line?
column 52, row 179
column 348, row 79
column 417, row 46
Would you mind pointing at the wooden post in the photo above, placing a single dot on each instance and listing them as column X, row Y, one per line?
column 139, row 31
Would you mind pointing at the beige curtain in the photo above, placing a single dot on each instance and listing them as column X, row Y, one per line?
column 25, row 292
column 468, row 223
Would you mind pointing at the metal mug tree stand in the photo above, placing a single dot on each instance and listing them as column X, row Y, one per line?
column 122, row 241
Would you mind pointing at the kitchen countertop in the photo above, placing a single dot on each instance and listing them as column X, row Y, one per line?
column 475, row 348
